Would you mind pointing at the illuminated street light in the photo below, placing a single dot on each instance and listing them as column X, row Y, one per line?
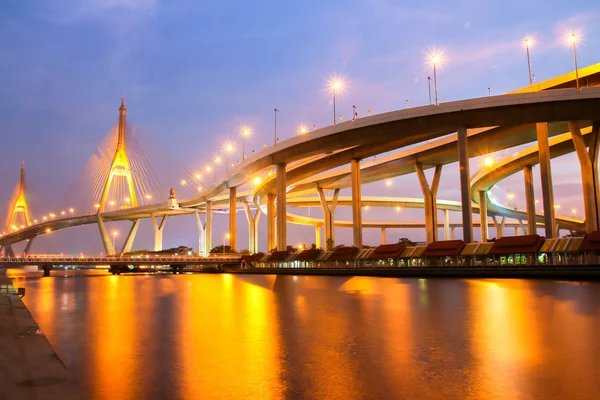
column 183, row 182
column 256, row 181
column 435, row 59
column 300, row 247
column 572, row 39
column 388, row 183
column 301, row 130
column 245, row 132
column 115, row 234
column 398, row 209
column 112, row 205
column 488, row 162
column 148, row 197
column 227, row 237
column 198, row 177
column 228, row 149
column 336, row 85
column 528, row 42
column 574, row 211
column 71, row 210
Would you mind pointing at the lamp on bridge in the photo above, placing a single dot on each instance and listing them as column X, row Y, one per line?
column 528, row 42
column 301, row 130
column 435, row 59
column 227, row 237
column 228, row 149
column 336, row 85
column 245, row 132
column 114, row 235
column 572, row 39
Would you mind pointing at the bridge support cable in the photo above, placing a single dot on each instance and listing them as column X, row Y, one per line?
column 280, row 192
column 201, row 234
column 232, row 219
column 158, row 232
column 588, row 162
column 329, row 217
column 130, row 237
column 530, row 200
column 483, row 216
column 106, row 241
column 271, row 215
column 356, row 203
column 546, row 178
column 252, row 227
column 465, row 190
column 208, row 229
column 430, row 200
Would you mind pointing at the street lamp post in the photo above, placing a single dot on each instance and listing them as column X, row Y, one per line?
column 245, row 132
column 435, row 59
column 528, row 43
column 335, row 86
column 115, row 234
column 227, row 237
column 573, row 41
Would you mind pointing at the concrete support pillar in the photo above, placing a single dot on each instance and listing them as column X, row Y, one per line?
column 201, row 234
column 47, row 269
column 589, row 174
column 130, row 237
column 382, row 235
column 106, row 241
column 8, row 250
column 271, row 222
column 530, row 200
column 453, row 232
column 329, row 217
column 28, row 246
column 318, row 236
column 232, row 218
column 499, row 226
column 158, row 232
column 446, row 224
column 465, row 182
column 208, row 229
column 280, row 188
column 546, row 178
column 430, row 201
column 483, row 216
column 516, row 231
column 356, row 203
column 252, row 228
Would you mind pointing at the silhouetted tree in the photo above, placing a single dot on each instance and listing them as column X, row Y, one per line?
column 407, row 242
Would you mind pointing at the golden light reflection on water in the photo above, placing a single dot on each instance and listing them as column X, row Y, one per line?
column 242, row 336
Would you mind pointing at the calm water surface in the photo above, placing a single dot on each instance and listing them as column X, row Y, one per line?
column 268, row 337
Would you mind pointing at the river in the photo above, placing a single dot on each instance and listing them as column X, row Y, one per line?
column 222, row 336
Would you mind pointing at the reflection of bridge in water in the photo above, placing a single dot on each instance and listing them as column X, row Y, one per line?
column 301, row 172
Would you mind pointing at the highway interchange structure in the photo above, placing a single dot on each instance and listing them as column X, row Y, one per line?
column 552, row 117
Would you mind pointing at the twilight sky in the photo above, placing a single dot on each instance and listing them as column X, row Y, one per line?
column 194, row 74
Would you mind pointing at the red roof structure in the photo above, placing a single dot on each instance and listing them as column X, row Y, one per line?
column 343, row 253
column 517, row 245
column 591, row 242
column 252, row 257
column 387, row 251
column 308, row 255
column 444, row 248
column 277, row 256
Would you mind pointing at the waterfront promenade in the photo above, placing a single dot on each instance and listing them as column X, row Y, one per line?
column 29, row 367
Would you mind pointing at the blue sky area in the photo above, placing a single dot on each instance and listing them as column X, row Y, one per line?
column 194, row 73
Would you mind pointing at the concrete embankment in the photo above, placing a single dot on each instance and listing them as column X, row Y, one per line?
column 29, row 367
column 571, row 273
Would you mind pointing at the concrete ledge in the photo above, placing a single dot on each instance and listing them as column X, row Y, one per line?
column 571, row 273
column 29, row 367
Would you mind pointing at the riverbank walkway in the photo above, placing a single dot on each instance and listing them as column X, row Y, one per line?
column 29, row 367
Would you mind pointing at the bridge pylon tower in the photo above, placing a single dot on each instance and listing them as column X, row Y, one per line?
column 120, row 163
column 20, row 205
